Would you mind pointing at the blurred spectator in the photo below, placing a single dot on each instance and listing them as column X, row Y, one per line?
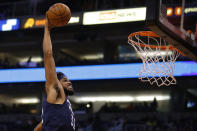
column 104, row 108
column 97, row 124
column 118, row 124
column 29, row 63
column 154, row 105
column 90, row 125
column 114, row 107
column 132, row 107
column 1, row 64
column 5, row 63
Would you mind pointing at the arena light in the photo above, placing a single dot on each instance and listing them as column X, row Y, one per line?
column 178, row 11
column 114, row 16
column 27, row 100
column 33, row 59
column 92, row 56
column 169, row 11
column 126, row 55
column 105, row 99
column 155, row 53
column 126, row 98
column 151, row 98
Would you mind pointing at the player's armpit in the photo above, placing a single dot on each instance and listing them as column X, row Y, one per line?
column 52, row 94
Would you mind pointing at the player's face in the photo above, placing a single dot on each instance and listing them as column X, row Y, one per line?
column 67, row 85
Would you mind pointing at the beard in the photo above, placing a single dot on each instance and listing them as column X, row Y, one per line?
column 68, row 92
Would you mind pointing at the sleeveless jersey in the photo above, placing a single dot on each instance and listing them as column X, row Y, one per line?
column 57, row 117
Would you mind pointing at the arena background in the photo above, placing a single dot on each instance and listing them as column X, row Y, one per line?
column 93, row 51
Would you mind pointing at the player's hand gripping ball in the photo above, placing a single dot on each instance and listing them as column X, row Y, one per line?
column 58, row 15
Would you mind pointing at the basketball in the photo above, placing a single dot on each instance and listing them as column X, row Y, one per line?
column 58, row 15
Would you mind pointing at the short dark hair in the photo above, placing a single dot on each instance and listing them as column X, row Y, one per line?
column 60, row 75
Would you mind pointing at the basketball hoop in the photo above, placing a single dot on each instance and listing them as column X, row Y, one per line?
column 158, row 57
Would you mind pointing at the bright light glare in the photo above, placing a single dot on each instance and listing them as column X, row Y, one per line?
column 88, row 105
column 92, row 56
column 155, row 53
column 27, row 100
column 151, row 98
column 33, row 59
column 121, row 98
column 105, row 98
column 169, row 11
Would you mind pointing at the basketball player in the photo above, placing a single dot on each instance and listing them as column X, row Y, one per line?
column 57, row 113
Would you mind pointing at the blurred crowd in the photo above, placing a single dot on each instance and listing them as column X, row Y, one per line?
column 7, row 63
column 20, row 124
column 96, row 122
column 17, row 108
column 148, row 123
column 136, row 116
column 132, row 107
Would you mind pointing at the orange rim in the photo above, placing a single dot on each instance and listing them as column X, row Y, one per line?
column 144, row 33
column 152, row 34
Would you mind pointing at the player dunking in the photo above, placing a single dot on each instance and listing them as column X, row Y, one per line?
column 57, row 114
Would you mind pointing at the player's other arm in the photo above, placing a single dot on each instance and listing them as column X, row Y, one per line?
column 38, row 127
column 49, row 64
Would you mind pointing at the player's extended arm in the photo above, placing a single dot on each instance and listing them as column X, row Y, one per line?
column 38, row 127
column 49, row 64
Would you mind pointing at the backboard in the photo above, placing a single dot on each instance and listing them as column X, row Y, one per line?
column 156, row 20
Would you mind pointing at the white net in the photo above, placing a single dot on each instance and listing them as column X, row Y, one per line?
column 158, row 58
